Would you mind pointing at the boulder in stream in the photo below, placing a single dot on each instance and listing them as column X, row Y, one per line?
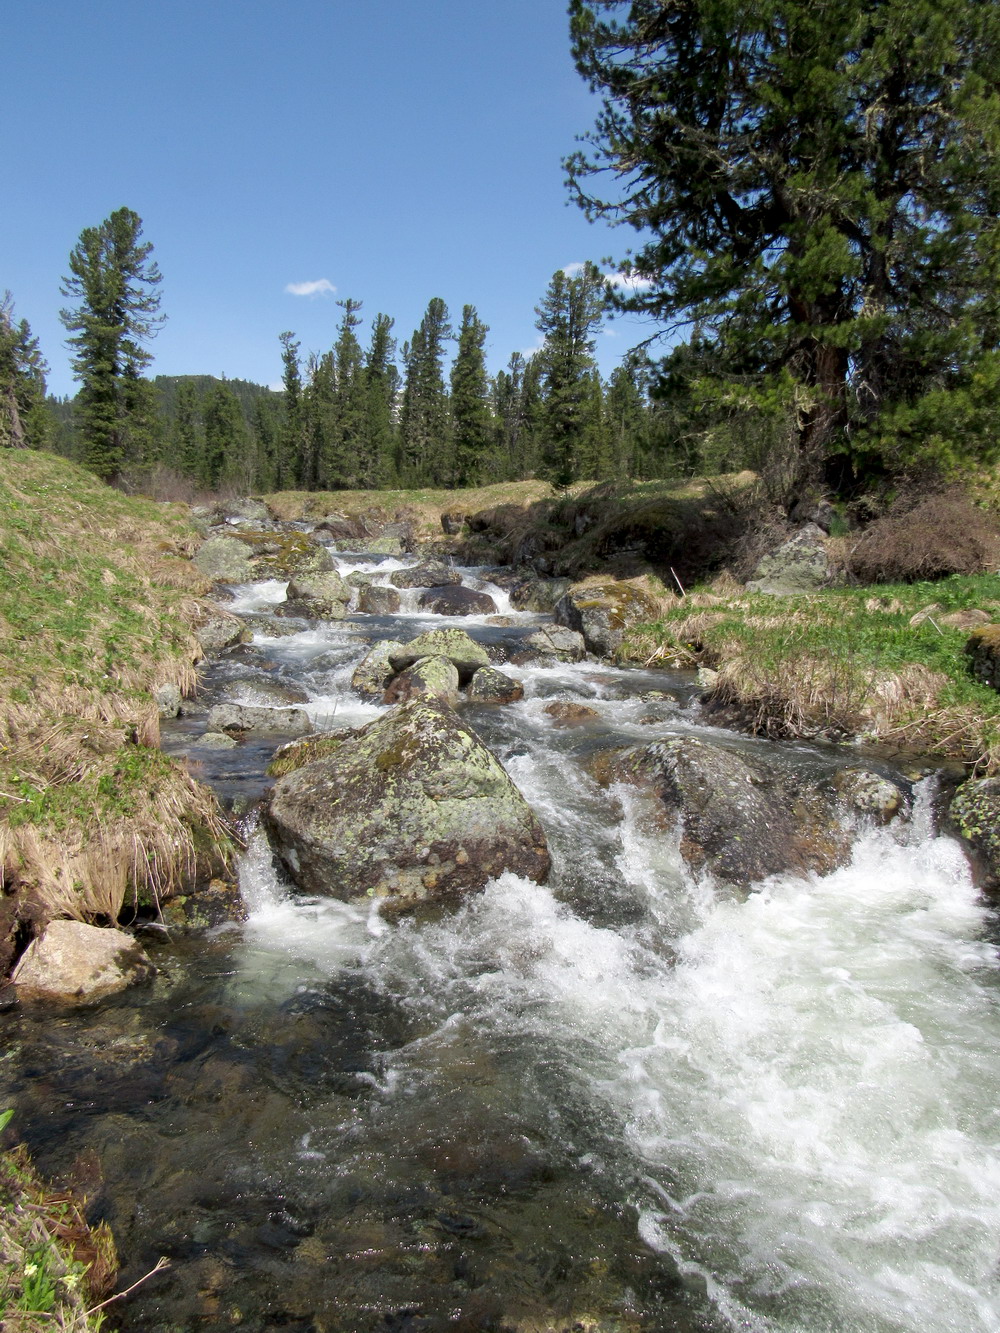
column 489, row 686
column 739, row 818
column 459, row 647
column 454, row 600
column 73, row 963
column 377, row 600
column 375, row 670
column 249, row 717
column 225, row 560
column 411, row 809
column 433, row 574
column 321, row 596
column 602, row 612
column 430, row 677
column 974, row 815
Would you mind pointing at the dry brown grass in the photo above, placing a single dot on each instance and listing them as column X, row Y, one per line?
column 938, row 535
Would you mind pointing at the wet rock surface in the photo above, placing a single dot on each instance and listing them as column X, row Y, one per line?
column 740, row 819
column 457, row 601
column 413, row 809
column 602, row 612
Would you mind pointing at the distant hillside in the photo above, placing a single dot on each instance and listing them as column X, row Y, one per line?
column 245, row 390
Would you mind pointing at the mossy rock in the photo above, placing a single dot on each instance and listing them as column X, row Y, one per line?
column 411, row 810
column 974, row 814
column 429, row 678
column 454, row 644
column 283, row 555
column 602, row 613
column 296, row 754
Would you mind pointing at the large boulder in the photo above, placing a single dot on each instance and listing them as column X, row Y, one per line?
column 454, row 600
column 72, row 963
column 411, row 809
column 246, row 507
column 317, row 596
column 434, row 574
column 740, row 819
column 565, row 645
column 387, row 545
column 602, row 612
column 430, row 678
column 285, row 555
column 225, row 560
column 799, row 565
column 376, row 600
column 219, row 630
column 375, row 670
column 454, row 644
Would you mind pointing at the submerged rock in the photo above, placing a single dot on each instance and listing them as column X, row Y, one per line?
column 870, row 794
column 455, row 600
column 566, row 714
column 411, row 809
column 739, row 819
column 602, row 612
column 73, row 963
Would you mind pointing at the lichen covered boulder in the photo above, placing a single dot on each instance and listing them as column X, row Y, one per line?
column 739, row 819
column 434, row 574
column 489, row 686
column 411, row 809
column 430, row 678
column 974, row 815
column 375, row 670
column 225, row 560
column 602, row 612
column 983, row 647
column 799, row 565
column 73, row 963
column 459, row 647
column 317, row 596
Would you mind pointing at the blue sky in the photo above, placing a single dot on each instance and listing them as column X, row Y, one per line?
column 397, row 149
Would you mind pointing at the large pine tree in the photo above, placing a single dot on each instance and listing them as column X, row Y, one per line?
column 567, row 317
column 472, row 420
column 425, row 445
column 24, row 422
column 114, row 283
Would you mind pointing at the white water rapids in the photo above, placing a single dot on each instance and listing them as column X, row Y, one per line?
column 796, row 1093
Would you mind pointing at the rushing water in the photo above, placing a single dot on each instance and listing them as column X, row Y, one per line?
column 626, row 1100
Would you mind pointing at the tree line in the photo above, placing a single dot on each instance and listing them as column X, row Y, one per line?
column 366, row 416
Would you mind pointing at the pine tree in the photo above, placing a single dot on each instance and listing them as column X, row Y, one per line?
column 24, row 420
column 226, row 440
column 425, row 446
column 114, row 282
column 567, row 317
column 291, row 465
column 346, row 438
column 381, row 381
column 472, row 421
column 188, row 437
column 626, row 416
column 817, row 191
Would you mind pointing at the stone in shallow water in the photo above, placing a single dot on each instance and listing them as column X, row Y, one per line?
column 73, row 963
column 457, row 601
column 249, row 717
column 375, row 670
column 489, row 686
column 454, row 644
column 412, row 809
column 431, row 677
column 376, row 600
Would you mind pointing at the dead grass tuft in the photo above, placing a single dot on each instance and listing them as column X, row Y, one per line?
column 931, row 538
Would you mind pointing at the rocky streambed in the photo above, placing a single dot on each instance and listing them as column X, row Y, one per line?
column 554, row 1006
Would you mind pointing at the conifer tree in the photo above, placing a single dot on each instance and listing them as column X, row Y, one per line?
column 189, row 456
column 24, row 421
column 567, row 317
column 817, row 192
column 291, row 466
column 472, row 421
column 226, row 440
column 114, row 282
column 381, row 381
column 346, row 438
column 425, row 446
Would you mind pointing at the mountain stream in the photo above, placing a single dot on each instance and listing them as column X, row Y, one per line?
column 627, row 1100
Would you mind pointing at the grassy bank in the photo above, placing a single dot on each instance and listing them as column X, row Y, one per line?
column 843, row 663
column 96, row 605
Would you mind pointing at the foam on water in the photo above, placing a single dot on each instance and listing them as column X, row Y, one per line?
column 801, row 1087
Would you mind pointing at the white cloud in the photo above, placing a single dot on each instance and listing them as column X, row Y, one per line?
column 571, row 270
column 320, row 287
column 629, row 281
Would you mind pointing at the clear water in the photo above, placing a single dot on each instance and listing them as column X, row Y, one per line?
column 625, row 1100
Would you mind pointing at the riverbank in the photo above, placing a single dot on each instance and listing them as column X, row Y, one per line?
column 884, row 664
column 98, row 607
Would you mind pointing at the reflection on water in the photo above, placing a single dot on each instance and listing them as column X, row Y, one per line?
column 623, row 1101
